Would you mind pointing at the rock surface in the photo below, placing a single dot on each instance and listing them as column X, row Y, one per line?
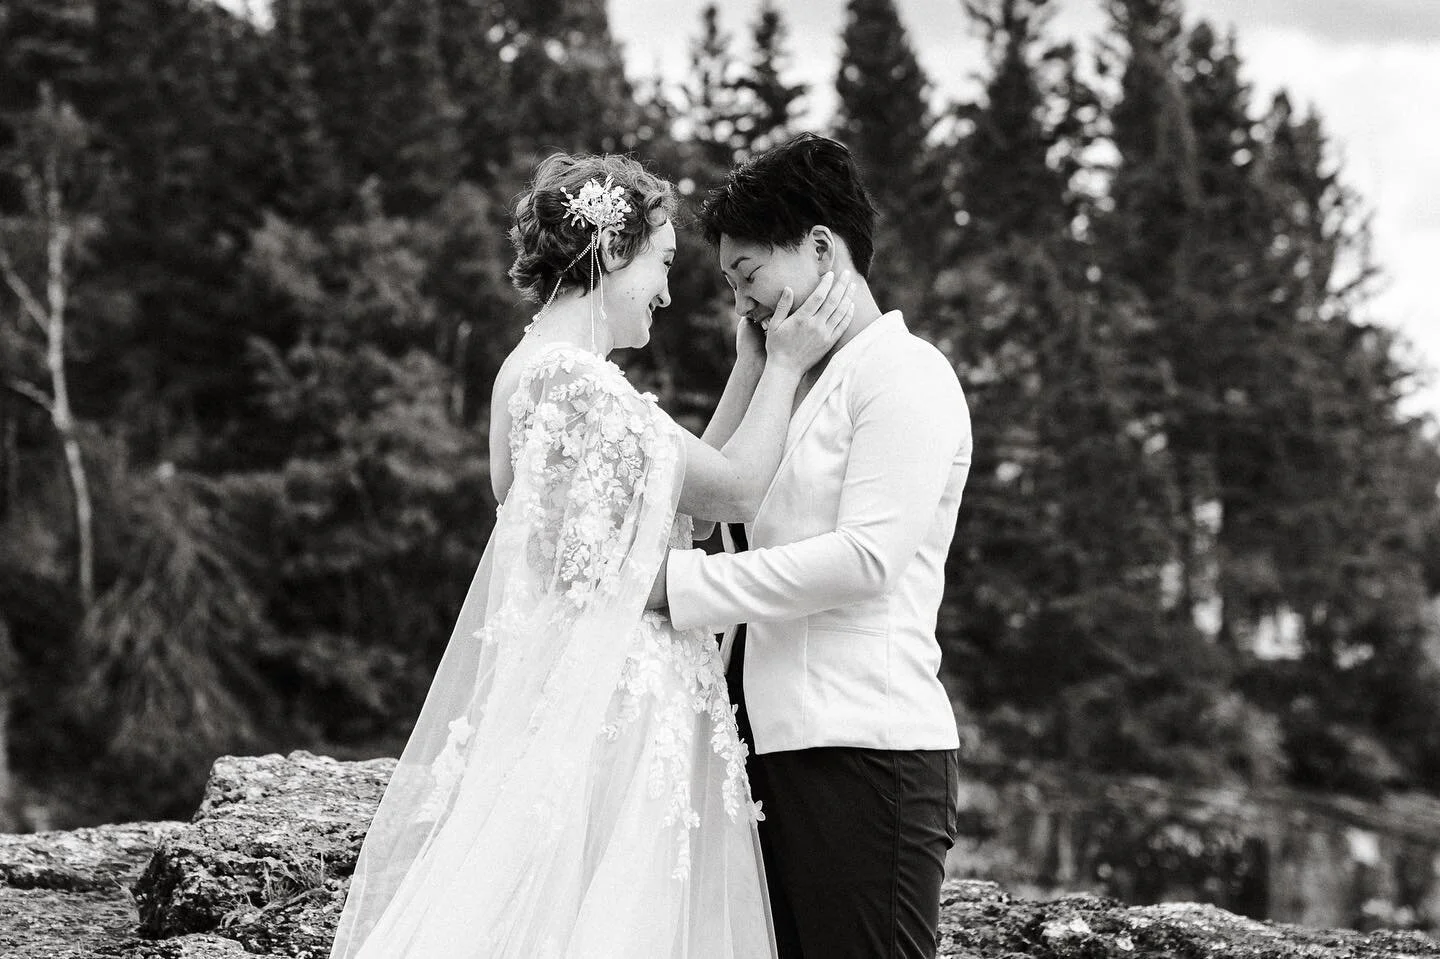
column 67, row 894
column 978, row 920
column 262, row 870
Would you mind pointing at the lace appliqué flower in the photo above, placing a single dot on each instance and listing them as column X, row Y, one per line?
column 446, row 770
column 679, row 678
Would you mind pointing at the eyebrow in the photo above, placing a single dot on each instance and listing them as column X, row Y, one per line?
column 726, row 271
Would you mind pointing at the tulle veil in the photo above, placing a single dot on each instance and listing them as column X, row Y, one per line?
column 487, row 842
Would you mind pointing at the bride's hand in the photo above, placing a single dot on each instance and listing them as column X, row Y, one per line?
column 749, row 344
column 798, row 340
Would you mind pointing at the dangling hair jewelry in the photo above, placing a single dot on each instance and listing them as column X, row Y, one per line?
column 603, row 208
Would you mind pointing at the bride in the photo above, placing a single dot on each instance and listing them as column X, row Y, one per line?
column 574, row 785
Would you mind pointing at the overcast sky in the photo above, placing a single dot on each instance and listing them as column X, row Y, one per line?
column 1371, row 67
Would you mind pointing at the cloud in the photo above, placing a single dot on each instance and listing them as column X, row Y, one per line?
column 1375, row 100
column 1338, row 21
column 1372, row 70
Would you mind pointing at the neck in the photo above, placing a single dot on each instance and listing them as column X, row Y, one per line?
column 568, row 320
column 867, row 311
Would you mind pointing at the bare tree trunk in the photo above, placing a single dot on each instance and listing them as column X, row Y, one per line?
column 49, row 317
column 65, row 425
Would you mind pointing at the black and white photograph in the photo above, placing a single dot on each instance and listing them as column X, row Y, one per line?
column 681, row 479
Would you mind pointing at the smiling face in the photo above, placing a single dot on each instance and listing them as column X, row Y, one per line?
column 633, row 292
column 758, row 272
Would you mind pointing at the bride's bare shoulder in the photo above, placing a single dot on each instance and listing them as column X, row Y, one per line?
column 507, row 381
column 507, row 378
column 512, row 371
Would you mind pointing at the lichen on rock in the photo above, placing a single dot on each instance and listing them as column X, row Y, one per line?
column 263, row 866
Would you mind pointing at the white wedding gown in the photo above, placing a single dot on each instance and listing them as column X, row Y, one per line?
column 574, row 786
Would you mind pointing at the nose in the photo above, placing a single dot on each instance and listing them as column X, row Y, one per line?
column 743, row 304
column 664, row 299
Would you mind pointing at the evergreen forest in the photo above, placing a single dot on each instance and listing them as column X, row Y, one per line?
column 253, row 294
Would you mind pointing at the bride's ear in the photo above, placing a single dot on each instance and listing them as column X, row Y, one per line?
column 609, row 239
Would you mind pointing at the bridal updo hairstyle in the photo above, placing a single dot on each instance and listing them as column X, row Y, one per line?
column 549, row 244
column 777, row 196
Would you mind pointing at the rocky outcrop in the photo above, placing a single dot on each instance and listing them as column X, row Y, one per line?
column 67, row 894
column 979, row 920
column 262, row 870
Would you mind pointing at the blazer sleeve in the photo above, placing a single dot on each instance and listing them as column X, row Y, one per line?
column 911, row 429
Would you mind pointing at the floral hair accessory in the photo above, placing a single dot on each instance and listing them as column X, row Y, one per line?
column 602, row 207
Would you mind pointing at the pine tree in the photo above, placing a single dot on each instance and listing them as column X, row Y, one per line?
column 335, row 41
column 1342, row 478
column 691, row 136
column 477, row 77
column 773, row 103
column 884, row 116
column 415, row 139
column 170, row 96
column 382, row 81
column 1154, row 194
column 885, row 119
column 567, row 88
column 1010, row 185
column 1218, row 352
column 310, row 187
column 1064, row 472
column 165, row 669
column 1267, row 377
column 1155, row 185
column 366, row 483
column 714, row 111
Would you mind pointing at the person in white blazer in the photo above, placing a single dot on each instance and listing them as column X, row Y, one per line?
column 834, row 665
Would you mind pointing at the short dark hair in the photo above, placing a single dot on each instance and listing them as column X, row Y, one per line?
column 777, row 196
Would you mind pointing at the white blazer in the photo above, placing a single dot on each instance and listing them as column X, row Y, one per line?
column 843, row 580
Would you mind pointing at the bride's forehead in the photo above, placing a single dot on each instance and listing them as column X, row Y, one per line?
column 663, row 236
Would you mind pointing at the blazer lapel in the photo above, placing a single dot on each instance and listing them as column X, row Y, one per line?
column 845, row 358
column 842, row 361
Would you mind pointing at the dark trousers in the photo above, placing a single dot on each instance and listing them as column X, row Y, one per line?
column 854, row 842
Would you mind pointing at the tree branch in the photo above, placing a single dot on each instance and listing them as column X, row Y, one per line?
column 29, row 304
column 59, row 240
column 30, row 393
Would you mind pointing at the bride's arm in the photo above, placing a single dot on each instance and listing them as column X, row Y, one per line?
column 735, row 400
column 740, row 387
column 727, row 484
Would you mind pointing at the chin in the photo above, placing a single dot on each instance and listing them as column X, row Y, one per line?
column 633, row 342
column 641, row 336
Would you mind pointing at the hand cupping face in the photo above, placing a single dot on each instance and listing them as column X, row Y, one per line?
column 803, row 336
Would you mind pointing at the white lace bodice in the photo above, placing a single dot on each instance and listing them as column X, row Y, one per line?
column 676, row 676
